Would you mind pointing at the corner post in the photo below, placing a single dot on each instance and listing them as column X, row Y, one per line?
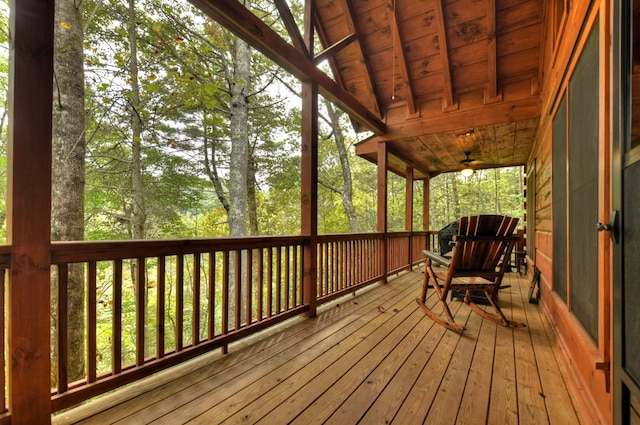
column 29, row 209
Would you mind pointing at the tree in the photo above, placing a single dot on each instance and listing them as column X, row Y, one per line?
column 68, row 175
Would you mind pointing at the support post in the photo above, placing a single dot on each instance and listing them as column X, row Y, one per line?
column 426, row 198
column 309, row 199
column 383, row 157
column 408, row 212
column 29, row 209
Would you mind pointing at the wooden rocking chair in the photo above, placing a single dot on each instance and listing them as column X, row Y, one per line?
column 480, row 257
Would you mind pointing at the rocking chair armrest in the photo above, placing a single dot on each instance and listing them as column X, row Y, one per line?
column 438, row 259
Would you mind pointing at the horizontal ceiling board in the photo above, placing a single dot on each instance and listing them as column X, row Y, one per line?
column 467, row 33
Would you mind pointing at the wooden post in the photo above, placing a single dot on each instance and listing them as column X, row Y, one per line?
column 29, row 210
column 382, row 206
column 309, row 186
column 426, row 199
column 408, row 211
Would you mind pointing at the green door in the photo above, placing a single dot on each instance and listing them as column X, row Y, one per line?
column 626, row 200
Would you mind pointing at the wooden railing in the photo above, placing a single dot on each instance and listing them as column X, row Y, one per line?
column 153, row 304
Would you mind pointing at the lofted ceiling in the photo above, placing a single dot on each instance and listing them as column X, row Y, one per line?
column 432, row 79
column 446, row 76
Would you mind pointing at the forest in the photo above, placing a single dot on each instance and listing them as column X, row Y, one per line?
column 167, row 126
column 173, row 128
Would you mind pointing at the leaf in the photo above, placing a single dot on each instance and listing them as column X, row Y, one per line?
column 152, row 88
column 179, row 39
column 152, row 77
column 66, row 25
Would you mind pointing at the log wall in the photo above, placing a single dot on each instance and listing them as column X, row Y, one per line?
column 586, row 361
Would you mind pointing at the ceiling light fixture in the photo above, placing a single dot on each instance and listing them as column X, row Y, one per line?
column 467, row 171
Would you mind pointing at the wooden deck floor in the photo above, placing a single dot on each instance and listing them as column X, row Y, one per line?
column 372, row 358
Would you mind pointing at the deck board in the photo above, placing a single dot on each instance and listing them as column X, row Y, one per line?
column 372, row 358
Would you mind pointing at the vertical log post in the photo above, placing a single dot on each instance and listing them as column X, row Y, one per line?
column 408, row 213
column 29, row 209
column 426, row 199
column 309, row 199
column 382, row 207
column 309, row 183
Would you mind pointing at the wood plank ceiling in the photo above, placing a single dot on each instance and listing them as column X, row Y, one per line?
column 446, row 76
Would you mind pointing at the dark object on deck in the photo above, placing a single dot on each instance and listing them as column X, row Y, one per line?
column 479, row 260
column 534, row 289
column 445, row 237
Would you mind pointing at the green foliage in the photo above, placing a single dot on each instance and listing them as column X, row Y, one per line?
column 493, row 191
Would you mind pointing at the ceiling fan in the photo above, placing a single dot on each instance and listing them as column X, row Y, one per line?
column 467, row 165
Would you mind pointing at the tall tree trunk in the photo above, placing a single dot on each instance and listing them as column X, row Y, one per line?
column 239, row 107
column 138, row 218
column 238, row 167
column 211, row 169
column 68, row 179
column 347, row 190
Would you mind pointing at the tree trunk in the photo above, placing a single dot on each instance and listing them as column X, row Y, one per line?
column 211, row 169
column 138, row 217
column 239, row 108
column 68, row 178
column 347, row 190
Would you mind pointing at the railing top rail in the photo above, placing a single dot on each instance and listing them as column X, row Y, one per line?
column 81, row 251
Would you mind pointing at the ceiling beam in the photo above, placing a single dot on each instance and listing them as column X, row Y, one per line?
column 498, row 113
column 335, row 48
column 239, row 20
column 365, row 59
column 402, row 62
column 291, row 26
column 491, row 94
column 448, row 99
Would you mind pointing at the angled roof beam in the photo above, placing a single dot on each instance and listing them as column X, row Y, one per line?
column 402, row 63
column 491, row 94
column 239, row 20
column 291, row 26
column 448, row 101
column 332, row 50
column 365, row 59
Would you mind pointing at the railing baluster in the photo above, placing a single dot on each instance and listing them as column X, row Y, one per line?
column 195, row 318
column 287, row 281
column 179, row 302
column 92, row 302
column 260, row 284
column 249, row 292
column 161, row 307
column 295, row 276
column 270, row 283
column 225, row 292
column 117, row 317
column 62, row 317
column 238, row 289
column 141, row 286
column 279, row 279
column 211, row 317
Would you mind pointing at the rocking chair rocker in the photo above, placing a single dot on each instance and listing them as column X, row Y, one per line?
column 479, row 260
